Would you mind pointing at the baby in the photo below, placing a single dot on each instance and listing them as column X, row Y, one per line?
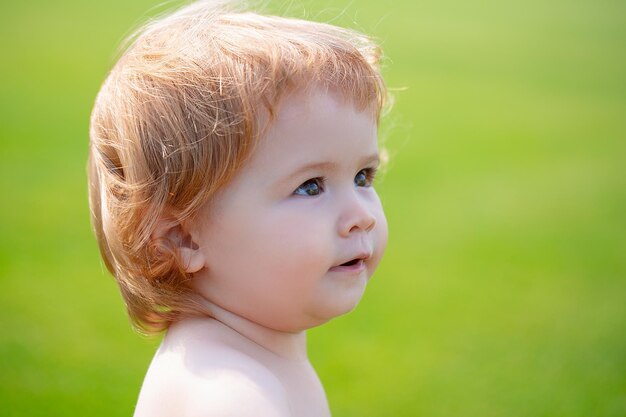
column 231, row 166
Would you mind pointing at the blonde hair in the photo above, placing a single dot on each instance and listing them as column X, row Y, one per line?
column 177, row 116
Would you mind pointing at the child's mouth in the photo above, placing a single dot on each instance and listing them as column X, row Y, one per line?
column 356, row 265
column 352, row 262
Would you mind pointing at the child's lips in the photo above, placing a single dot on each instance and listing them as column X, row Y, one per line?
column 356, row 267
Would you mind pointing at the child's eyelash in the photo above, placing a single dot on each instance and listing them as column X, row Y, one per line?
column 315, row 186
column 321, row 181
column 365, row 177
column 370, row 173
column 311, row 187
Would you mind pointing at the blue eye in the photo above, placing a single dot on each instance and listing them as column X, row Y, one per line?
column 365, row 177
column 312, row 187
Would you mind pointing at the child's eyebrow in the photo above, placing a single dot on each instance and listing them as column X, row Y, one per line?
column 328, row 166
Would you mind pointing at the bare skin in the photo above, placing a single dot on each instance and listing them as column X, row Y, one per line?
column 231, row 367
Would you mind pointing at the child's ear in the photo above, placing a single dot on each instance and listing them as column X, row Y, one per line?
column 189, row 253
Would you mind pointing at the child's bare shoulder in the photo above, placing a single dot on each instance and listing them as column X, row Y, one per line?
column 198, row 372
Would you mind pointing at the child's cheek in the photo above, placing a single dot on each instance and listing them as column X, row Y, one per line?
column 381, row 233
column 300, row 238
column 381, row 229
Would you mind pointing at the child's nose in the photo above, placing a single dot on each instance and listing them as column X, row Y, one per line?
column 357, row 214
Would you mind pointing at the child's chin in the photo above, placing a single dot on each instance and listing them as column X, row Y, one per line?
column 342, row 304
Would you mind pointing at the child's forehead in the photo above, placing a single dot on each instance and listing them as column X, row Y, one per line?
column 317, row 127
column 316, row 107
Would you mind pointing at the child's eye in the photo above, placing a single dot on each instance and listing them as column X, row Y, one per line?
column 312, row 187
column 365, row 177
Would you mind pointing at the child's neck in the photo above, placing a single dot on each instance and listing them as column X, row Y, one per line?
column 287, row 345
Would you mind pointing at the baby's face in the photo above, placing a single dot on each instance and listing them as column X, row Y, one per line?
column 292, row 241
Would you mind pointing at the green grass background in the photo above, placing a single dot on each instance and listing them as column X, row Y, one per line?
column 503, row 289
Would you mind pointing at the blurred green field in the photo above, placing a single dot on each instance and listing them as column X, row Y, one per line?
column 503, row 291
